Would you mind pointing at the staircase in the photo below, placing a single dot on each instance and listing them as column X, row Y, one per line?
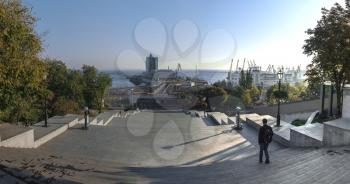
column 288, row 166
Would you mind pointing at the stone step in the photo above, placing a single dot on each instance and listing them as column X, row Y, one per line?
column 218, row 117
column 280, row 161
column 104, row 118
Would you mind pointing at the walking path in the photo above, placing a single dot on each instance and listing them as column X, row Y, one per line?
column 169, row 147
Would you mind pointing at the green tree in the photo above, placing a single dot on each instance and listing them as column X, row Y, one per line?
column 89, row 76
column 237, row 91
column 247, row 99
column 246, row 79
column 103, row 83
column 272, row 93
column 255, row 93
column 329, row 45
column 212, row 95
column 66, row 86
column 21, row 70
column 95, row 86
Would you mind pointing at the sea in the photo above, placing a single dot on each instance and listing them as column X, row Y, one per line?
column 119, row 79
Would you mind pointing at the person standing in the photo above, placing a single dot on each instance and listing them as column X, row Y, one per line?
column 265, row 138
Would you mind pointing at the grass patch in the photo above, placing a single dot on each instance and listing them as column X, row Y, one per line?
column 298, row 122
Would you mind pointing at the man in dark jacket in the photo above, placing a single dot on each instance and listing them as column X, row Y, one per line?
column 265, row 137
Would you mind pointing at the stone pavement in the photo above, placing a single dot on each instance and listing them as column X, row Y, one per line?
column 168, row 148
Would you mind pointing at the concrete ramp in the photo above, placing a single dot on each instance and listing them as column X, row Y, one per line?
column 56, row 126
column 14, row 136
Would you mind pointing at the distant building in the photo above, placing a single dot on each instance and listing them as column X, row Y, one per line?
column 151, row 64
column 163, row 75
column 265, row 78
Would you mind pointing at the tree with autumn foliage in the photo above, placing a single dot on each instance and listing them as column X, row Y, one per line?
column 329, row 46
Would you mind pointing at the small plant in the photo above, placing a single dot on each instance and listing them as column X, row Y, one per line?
column 298, row 122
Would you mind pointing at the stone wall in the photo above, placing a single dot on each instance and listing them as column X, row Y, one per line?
column 346, row 103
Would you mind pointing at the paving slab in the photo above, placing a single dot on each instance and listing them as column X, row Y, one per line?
column 104, row 154
column 114, row 154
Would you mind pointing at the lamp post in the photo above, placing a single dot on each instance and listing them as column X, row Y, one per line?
column 279, row 76
column 86, row 116
column 238, row 119
column 45, row 103
column 331, row 102
column 132, row 96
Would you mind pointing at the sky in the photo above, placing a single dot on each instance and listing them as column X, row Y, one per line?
column 119, row 34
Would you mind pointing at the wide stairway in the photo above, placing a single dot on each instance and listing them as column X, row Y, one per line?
column 288, row 166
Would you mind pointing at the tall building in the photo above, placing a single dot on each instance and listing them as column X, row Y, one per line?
column 151, row 64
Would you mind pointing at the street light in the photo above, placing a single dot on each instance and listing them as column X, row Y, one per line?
column 280, row 77
column 132, row 96
column 45, row 103
column 86, row 116
column 238, row 119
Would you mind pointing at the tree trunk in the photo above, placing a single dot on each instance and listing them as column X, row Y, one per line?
column 338, row 90
column 99, row 103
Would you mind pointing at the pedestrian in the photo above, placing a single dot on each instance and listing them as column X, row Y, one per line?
column 265, row 138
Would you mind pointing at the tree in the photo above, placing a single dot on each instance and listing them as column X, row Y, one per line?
column 66, row 86
column 255, row 93
column 237, row 91
column 95, row 85
column 89, row 76
column 21, row 70
column 103, row 82
column 329, row 45
column 272, row 93
column 247, row 100
column 246, row 79
column 212, row 95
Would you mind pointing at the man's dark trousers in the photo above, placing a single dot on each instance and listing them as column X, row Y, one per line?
column 263, row 148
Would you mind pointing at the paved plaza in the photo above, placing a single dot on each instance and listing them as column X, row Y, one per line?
column 168, row 147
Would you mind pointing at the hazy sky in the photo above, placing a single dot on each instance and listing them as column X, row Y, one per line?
column 118, row 34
